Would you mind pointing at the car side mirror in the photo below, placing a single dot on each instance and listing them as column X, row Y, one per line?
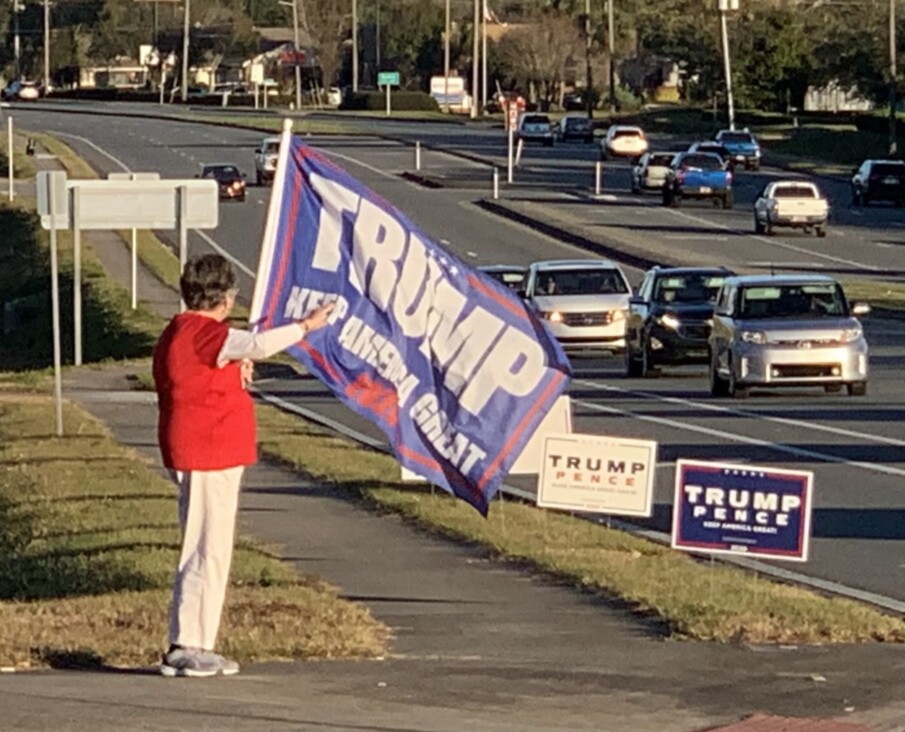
column 257, row 151
column 860, row 309
column 637, row 300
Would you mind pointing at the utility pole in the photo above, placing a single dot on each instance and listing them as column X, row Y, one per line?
column 611, row 51
column 354, row 45
column 475, row 59
column 893, row 146
column 588, row 41
column 377, row 41
column 17, row 46
column 46, row 46
column 724, row 6
column 295, row 56
column 184, row 92
column 447, row 30
column 483, row 55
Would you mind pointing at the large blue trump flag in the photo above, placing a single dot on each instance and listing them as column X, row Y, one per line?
column 448, row 363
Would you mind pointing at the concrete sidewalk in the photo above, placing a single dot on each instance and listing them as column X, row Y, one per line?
column 480, row 644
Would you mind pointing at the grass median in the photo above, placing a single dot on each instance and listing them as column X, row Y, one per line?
column 689, row 598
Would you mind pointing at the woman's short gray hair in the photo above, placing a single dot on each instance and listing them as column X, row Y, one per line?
column 205, row 281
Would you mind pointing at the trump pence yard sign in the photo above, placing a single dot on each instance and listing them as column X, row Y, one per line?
column 742, row 509
column 597, row 474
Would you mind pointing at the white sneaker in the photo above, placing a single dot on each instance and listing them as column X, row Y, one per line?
column 196, row 663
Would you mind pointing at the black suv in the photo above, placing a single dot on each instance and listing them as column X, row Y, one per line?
column 879, row 180
column 669, row 319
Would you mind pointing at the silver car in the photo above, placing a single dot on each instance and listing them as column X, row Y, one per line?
column 786, row 330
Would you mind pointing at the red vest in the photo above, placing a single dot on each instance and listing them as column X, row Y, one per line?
column 206, row 419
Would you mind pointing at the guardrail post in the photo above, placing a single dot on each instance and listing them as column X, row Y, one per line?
column 418, row 155
column 496, row 183
column 598, row 177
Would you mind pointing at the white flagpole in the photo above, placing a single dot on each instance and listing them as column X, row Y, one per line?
column 271, row 227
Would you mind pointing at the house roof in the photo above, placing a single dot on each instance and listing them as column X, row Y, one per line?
column 279, row 34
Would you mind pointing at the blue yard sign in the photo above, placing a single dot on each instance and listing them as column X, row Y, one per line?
column 742, row 509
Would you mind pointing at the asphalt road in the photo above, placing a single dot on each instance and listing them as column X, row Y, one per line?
column 854, row 446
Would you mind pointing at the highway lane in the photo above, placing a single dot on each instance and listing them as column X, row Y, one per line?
column 851, row 444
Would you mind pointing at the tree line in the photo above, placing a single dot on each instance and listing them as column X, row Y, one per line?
column 778, row 48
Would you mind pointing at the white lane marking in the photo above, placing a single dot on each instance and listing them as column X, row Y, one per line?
column 364, row 165
column 778, row 447
column 696, row 237
column 797, row 451
column 214, row 245
column 773, row 263
column 774, row 242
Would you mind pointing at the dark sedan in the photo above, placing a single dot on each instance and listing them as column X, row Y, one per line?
column 230, row 181
column 669, row 320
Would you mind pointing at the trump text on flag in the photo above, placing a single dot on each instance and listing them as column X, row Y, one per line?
column 450, row 365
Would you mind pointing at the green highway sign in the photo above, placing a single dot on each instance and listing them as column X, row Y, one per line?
column 388, row 78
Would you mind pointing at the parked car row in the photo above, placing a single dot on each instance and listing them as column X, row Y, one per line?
column 21, row 91
column 752, row 331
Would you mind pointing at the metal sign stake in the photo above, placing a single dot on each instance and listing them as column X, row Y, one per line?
column 182, row 215
column 9, row 142
column 55, row 313
column 77, row 277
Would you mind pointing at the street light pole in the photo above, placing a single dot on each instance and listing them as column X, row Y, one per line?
column 295, row 56
column 17, row 46
column 446, row 33
column 354, row 45
column 483, row 55
column 724, row 6
column 893, row 146
column 184, row 92
column 475, row 59
column 46, row 46
column 588, row 41
column 611, row 50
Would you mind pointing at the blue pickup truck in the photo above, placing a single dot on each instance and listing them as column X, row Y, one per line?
column 742, row 146
column 698, row 175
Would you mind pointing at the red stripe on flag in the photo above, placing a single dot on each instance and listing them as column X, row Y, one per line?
column 510, row 443
column 499, row 299
column 286, row 245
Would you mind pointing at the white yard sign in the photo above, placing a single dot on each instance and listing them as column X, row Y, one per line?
column 597, row 474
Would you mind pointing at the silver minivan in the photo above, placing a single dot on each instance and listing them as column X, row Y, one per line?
column 786, row 330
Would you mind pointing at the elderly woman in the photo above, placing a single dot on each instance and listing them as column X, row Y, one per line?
column 206, row 430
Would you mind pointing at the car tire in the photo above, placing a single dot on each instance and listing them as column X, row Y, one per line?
column 759, row 228
column 259, row 181
column 832, row 388
column 634, row 368
column 820, row 231
column 719, row 387
column 856, row 388
column 857, row 198
column 736, row 390
column 728, row 200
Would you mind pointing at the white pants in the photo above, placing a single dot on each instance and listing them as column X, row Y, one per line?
column 208, row 501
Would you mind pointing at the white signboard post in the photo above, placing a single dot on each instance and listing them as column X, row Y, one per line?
column 113, row 205
column 597, row 474
column 134, row 176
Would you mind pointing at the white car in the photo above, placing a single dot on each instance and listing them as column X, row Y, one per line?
column 582, row 301
column 25, row 91
column 266, row 160
column 623, row 141
column 651, row 171
column 793, row 203
column 534, row 127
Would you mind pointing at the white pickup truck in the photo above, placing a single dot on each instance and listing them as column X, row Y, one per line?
column 266, row 160
column 798, row 204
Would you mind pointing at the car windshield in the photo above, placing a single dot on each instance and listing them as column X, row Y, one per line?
column 888, row 169
column 793, row 301
column 662, row 160
column 627, row 133
column 580, row 282
column 697, row 287
column 794, row 192
column 704, row 162
column 736, row 137
column 578, row 122
column 512, row 280
column 272, row 147
column 536, row 119
column 222, row 171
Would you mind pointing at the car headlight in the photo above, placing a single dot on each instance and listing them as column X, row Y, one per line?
column 753, row 336
column 617, row 315
column 554, row 316
column 669, row 321
column 851, row 334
